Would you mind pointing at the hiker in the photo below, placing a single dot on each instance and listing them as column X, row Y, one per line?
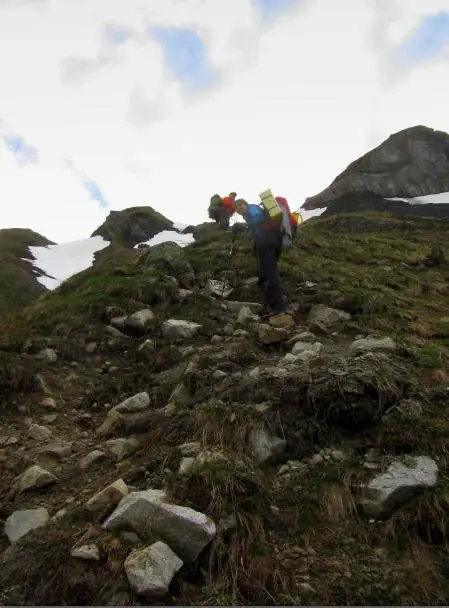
column 267, row 239
column 221, row 209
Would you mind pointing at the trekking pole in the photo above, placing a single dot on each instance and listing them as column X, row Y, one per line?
column 228, row 264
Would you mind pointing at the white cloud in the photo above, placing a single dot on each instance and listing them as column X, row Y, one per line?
column 298, row 100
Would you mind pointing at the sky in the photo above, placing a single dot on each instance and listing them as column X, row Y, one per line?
column 107, row 104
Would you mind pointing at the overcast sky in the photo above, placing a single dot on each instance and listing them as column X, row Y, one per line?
column 107, row 104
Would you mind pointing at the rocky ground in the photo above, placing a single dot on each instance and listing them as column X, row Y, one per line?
column 162, row 444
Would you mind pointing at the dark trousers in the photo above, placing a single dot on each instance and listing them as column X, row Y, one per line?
column 269, row 280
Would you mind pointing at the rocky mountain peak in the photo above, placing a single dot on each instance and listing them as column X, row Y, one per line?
column 410, row 163
column 132, row 226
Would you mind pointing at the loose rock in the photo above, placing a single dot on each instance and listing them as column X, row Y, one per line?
column 136, row 403
column 20, row 523
column 265, row 447
column 87, row 552
column 364, row 345
column 107, row 499
column 187, row 531
column 35, row 477
column 177, row 328
column 151, row 570
column 386, row 492
column 123, row 447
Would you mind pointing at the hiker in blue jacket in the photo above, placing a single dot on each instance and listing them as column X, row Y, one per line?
column 267, row 240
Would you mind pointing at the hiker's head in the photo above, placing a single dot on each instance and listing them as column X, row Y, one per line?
column 233, row 195
column 240, row 206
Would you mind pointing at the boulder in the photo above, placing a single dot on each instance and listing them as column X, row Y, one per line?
column 151, row 570
column 148, row 514
column 113, row 421
column 246, row 316
column 87, row 552
column 171, row 258
column 265, row 447
column 108, row 498
column 370, row 344
column 34, row 478
column 283, row 321
column 389, row 490
column 271, row 335
column 90, row 459
column 140, row 320
column 123, row 447
column 57, row 450
column 321, row 315
column 19, row 523
column 136, row 403
column 41, row 433
column 177, row 328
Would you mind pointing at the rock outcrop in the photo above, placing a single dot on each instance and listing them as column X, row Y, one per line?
column 132, row 226
column 413, row 162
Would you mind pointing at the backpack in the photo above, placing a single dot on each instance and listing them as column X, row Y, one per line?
column 289, row 224
column 215, row 202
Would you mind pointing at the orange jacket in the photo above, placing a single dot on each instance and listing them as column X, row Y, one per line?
column 228, row 203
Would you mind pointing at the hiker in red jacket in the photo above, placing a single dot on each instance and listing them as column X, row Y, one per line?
column 221, row 209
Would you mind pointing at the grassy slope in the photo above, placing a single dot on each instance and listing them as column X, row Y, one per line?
column 316, row 548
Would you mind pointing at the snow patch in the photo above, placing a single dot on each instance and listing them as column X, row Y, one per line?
column 169, row 236
column 307, row 215
column 179, row 226
column 60, row 262
column 441, row 198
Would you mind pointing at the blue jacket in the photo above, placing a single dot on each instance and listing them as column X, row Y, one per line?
column 262, row 232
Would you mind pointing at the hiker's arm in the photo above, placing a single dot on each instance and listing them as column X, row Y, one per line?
column 255, row 216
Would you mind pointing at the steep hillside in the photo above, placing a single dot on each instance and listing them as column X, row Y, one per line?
column 18, row 278
column 239, row 462
column 411, row 163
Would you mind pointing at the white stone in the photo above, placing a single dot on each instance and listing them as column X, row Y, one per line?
column 19, row 523
column 35, row 477
column 265, row 447
column 151, row 570
column 387, row 491
column 136, row 403
column 372, row 344
column 177, row 328
column 123, row 447
column 140, row 319
column 87, row 552
column 187, row 531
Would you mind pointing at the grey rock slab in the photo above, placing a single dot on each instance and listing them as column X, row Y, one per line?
column 151, row 570
column 265, row 447
column 136, row 403
column 389, row 490
column 178, row 328
column 364, row 345
column 19, row 523
column 146, row 513
column 34, row 478
column 88, row 552
column 123, row 447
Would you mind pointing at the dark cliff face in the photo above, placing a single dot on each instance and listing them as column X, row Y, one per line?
column 132, row 226
column 412, row 162
column 19, row 283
